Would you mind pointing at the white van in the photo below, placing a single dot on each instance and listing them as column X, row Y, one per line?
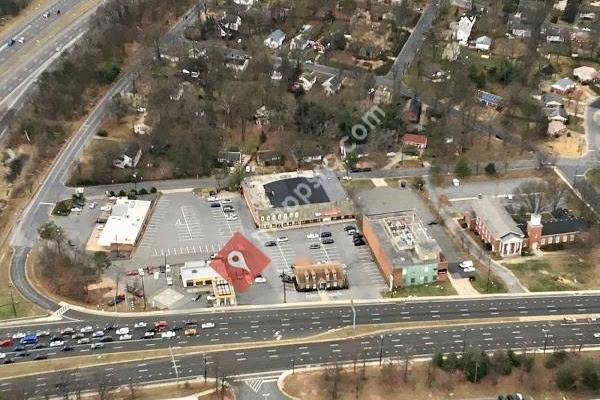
column 466, row 264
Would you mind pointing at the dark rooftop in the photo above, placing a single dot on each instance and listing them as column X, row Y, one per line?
column 560, row 226
column 302, row 190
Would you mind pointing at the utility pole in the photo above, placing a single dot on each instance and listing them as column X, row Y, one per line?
column 293, row 365
column 353, row 313
column 284, row 290
column 144, row 292
column 546, row 336
column 380, row 350
column 205, row 368
column 12, row 300
column 487, row 285
column 116, row 290
column 464, row 347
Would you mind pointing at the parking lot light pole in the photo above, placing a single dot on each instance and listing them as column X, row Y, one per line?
column 205, row 368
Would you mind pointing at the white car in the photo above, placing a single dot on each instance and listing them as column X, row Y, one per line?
column 169, row 281
column 122, row 331
column 98, row 334
column 106, row 208
column 149, row 334
column 207, row 325
column 167, row 334
column 466, row 264
column 469, row 269
column 455, row 182
column 260, row 279
column 76, row 209
column 231, row 217
column 125, row 337
column 84, row 341
column 86, row 329
column 93, row 205
column 2, row 356
column 141, row 272
column 57, row 343
column 96, row 346
column 45, row 15
column 18, row 335
column 226, row 201
column 168, row 268
column 210, row 297
column 140, row 324
column 21, row 39
column 44, row 332
column 312, row 236
column 281, row 239
column 597, row 335
column 212, row 199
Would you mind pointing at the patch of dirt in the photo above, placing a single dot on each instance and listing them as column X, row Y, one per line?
column 572, row 145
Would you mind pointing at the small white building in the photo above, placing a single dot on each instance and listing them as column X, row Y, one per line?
column 483, row 43
column 244, row 3
column 275, row 39
column 307, row 80
column 299, row 42
column 332, row 85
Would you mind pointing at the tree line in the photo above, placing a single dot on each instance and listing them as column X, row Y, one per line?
column 12, row 7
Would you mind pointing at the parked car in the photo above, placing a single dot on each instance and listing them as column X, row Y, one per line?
column 84, row 341
column 282, row 239
column 106, row 339
column 125, row 337
column 168, row 334
column 98, row 334
column 325, row 234
column 122, row 331
column 148, row 335
column 5, row 342
column 314, row 246
column 207, row 325
column 359, row 242
column 211, row 199
column 18, row 335
column 190, row 332
column 328, row 241
column 226, row 201
column 260, row 279
column 215, row 205
column 349, row 228
column 140, row 324
column 43, row 333
column 95, row 346
column 77, row 335
column 466, row 264
column 232, row 217
column 86, row 329
column 67, row 331
column 161, row 325
column 57, row 343
column 312, row 236
column 270, row 243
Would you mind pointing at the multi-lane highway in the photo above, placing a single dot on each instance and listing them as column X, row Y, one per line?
column 31, row 47
column 397, row 345
column 256, row 324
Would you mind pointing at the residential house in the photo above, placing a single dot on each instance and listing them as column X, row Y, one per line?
column 417, row 141
column 382, row 95
column 489, row 99
column 269, row 157
column 360, row 149
column 310, row 154
column 229, row 25
column 244, row 3
column 307, row 80
column 466, row 4
column 130, row 157
column 563, row 86
column 483, row 43
column 332, row 85
column 556, row 129
column 238, row 65
column 518, row 27
column 412, row 110
column 490, row 220
column 299, row 42
column 465, row 25
column 262, row 116
column 276, row 75
column 552, row 33
column 556, row 114
column 322, row 45
column 229, row 158
column 275, row 39
column 552, row 99
column 586, row 74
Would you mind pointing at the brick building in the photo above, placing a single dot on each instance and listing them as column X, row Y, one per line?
column 405, row 253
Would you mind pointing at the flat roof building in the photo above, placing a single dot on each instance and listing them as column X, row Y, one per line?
column 199, row 273
column 404, row 251
column 124, row 226
column 296, row 198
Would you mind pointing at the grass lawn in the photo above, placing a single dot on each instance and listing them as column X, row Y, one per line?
column 593, row 176
column 357, row 184
column 555, row 274
column 430, row 289
column 480, row 284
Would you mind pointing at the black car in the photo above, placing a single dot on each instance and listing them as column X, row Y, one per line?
column 215, row 204
column 176, row 328
column 432, row 223
column 67, row 348
column 190, row 322
column 40, row 357
column 8, row 361
column 357, row 235
column 109, row 327
column 39, row 346
column 328, row 241
column 271, row 243
column 22, row 354
column 314, row 246
column 19, row 347
column 325, row 234
column 286, row 278
column 359, row 242
column 106, row 339
column 198, row 297
column 349, row 228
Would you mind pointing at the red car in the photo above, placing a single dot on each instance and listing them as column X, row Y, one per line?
column 160, row 325
column 132, row 273
column 5, row 342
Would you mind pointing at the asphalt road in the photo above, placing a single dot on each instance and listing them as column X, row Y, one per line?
column 44, row 41
column 392, row 346
column 233, row 326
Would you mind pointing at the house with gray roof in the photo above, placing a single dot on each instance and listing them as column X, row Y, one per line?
column 275, row 39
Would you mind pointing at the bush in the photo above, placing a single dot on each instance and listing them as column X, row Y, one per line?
column 502, row 363
column 112, row 193
column 462, row 169
column 108, row 71
column 490, row 169
column 122, row 193
column 589, row 376
column 438, row 359
column 476, row 364
column 566, row 378
column 419, row 183
column 142, row 192
column 555, row 359
column 153, row 189
column 102, row 133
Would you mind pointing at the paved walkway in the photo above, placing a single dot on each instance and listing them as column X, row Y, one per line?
column 463, row 287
